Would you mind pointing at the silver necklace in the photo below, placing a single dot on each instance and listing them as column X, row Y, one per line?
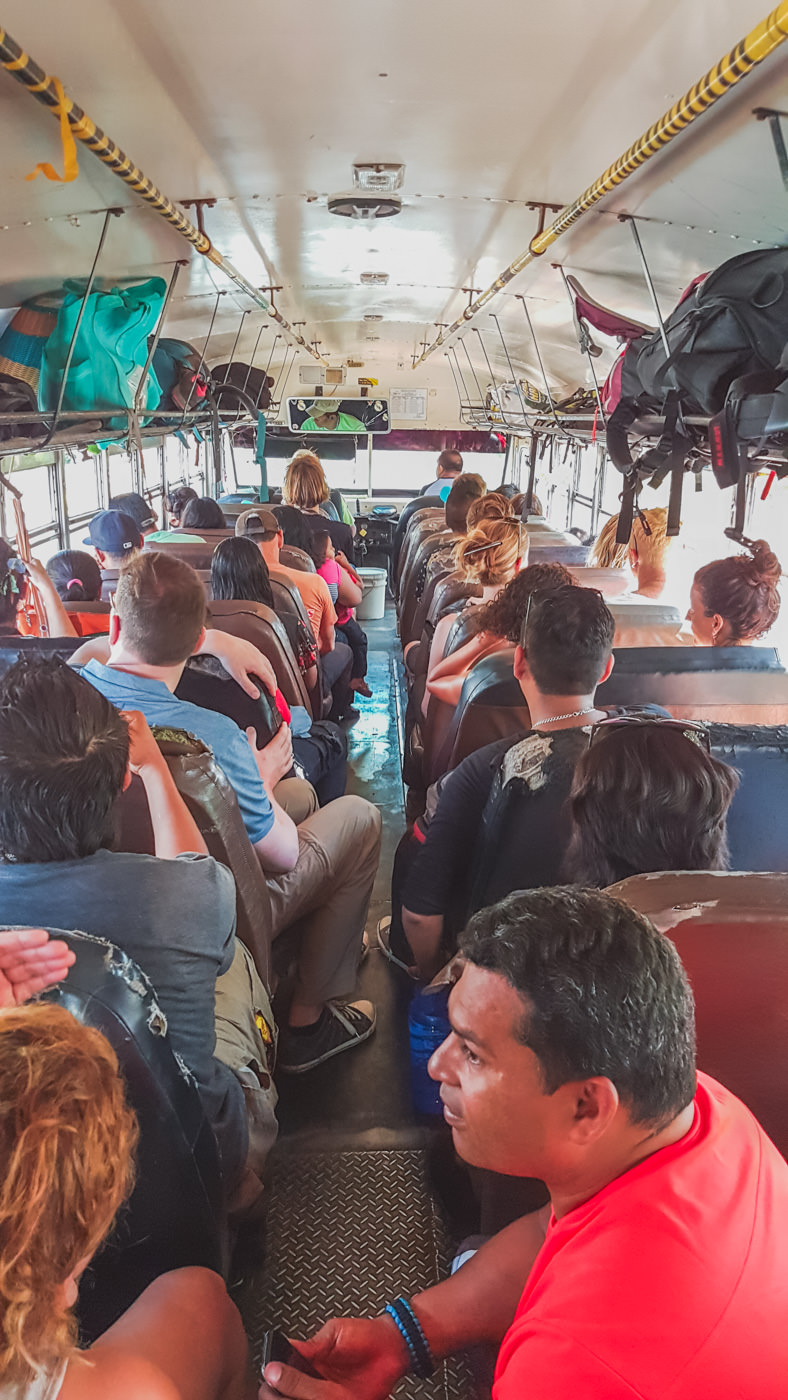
column 553, row 719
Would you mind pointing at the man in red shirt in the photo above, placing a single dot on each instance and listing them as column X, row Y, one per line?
column 661, row 1271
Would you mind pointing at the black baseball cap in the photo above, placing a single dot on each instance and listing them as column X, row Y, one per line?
column 114, row 532
column 135, row 505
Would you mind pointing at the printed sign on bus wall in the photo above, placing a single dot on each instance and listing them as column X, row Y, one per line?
column 308, row 415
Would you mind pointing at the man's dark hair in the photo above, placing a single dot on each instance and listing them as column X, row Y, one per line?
column 567, row 638
column 204, row 513
column 63, row 755
column 178, row 498
column 466, row 489
column 293, row 526
column 238, row 570
column 603, row 994
column 161, row 605
column 450, row 460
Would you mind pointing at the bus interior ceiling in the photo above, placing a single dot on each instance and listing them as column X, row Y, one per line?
column 487, row 114
column 486, row 121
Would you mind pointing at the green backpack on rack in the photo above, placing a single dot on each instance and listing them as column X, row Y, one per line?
column 110, row 353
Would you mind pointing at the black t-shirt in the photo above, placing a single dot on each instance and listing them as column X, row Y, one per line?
column 500, row 824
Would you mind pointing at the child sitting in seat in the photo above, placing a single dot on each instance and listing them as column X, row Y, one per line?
column 344, row 585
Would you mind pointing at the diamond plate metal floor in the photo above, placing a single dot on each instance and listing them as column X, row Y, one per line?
column 351, row 1219
column 347, row 1231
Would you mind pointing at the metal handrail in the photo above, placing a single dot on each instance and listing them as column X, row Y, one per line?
column 736, row 65
column 44, row 88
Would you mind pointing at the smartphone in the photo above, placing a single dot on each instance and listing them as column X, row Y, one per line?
column 276, row 1347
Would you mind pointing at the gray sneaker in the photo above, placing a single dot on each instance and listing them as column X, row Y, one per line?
column 341, row 1026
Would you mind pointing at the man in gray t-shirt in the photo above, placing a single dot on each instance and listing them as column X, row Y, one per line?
column 65, row 755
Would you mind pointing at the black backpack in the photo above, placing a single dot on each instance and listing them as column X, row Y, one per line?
column 236, row 384
column 733, row 324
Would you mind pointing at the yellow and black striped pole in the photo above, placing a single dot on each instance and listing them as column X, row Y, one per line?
column 730, row 70
column 49, row 91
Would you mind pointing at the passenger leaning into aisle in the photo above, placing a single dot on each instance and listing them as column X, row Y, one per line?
column 239, row 571
column 264, row 528
column 346, row 591
column 660, row 1268
column 320, row 873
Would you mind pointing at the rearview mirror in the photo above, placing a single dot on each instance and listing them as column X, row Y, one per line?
column 308, row 415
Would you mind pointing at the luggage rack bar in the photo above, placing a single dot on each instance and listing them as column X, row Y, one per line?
column 49, row 91
column 736, row 65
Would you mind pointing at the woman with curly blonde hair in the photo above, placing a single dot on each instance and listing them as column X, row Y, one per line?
column 491, row 555
column 67, row 1139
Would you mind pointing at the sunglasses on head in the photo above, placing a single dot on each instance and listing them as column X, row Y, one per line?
column 691, row 729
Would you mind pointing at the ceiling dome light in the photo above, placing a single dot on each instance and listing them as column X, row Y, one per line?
column 364, row 206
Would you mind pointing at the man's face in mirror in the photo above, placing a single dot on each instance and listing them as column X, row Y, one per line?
column 326, row 421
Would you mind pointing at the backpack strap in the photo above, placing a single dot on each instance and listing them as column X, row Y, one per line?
column 627, row 507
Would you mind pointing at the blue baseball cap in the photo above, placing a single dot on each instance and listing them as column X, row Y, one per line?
column 114, row 533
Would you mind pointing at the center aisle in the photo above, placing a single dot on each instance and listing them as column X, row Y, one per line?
column 351, row 1219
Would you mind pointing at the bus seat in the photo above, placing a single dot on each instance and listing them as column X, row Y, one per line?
column 757, row 838
column 101, row 606
column 491, row 706
column 13, row 648
column 411, row 508
column 212, row 803
column 414, row 585
column 745, row 685
column 438, row 569
column 292, row 558
column 425, row 530
column 610, row 582
column 260, row 625
column 198, row 555
column 736, row 685
column 643, row 622
column 287, row 599
column 549, row 546
column 426, row 524
column 731, row 931
column 175, row 1215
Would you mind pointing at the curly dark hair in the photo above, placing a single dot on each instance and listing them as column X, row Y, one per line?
column 504, row 616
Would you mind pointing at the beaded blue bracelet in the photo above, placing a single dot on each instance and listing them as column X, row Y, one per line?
column 422, row 1361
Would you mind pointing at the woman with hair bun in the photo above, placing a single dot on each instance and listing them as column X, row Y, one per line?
column 77, row 579
column 735, row 601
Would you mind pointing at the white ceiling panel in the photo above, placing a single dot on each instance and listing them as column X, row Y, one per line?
column 265, row 107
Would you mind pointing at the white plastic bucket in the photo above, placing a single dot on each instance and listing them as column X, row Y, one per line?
column 373, row 601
